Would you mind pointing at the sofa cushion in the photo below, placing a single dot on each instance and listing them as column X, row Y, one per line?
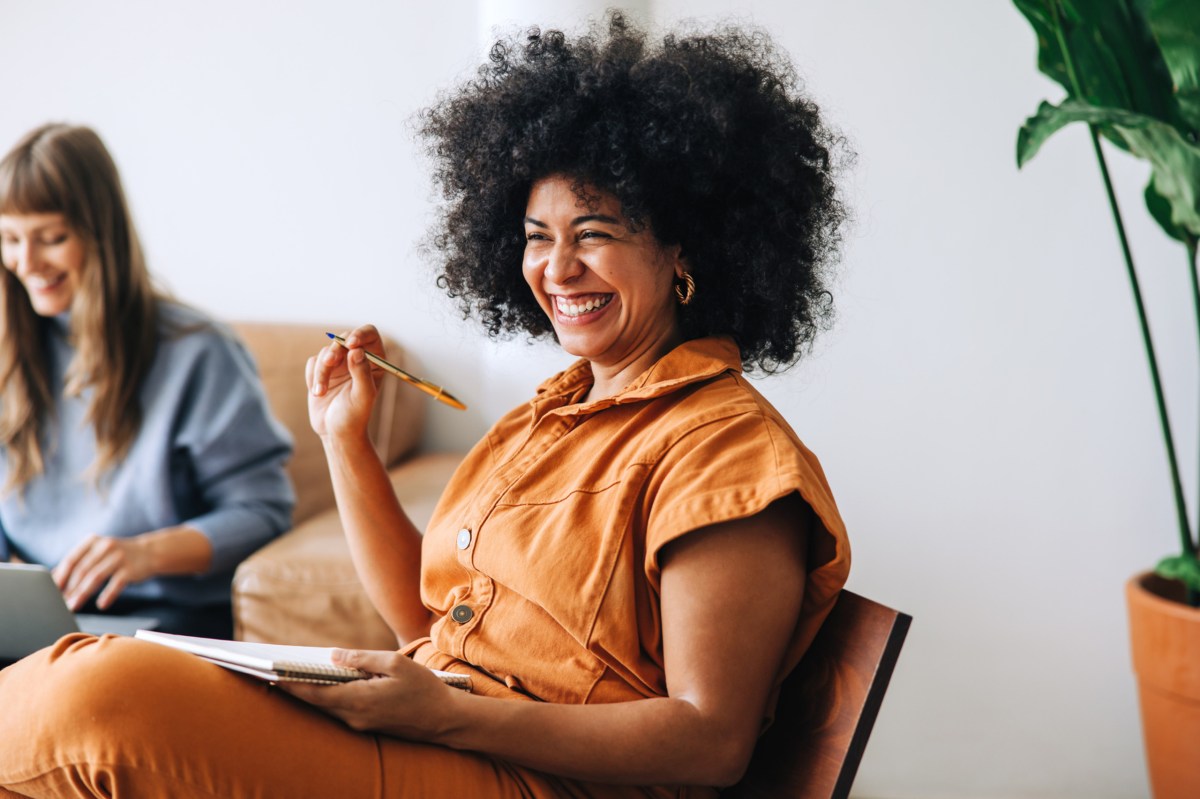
column 302, row 588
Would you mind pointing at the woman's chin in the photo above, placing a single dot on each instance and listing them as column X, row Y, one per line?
column 580, row 344
column 48, row 308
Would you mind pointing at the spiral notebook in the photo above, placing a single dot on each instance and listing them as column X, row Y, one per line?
column 275, row 662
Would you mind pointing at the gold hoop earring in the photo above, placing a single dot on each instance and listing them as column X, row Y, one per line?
column 685, row 296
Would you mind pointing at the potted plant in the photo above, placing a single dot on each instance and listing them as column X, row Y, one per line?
column 1131, row 70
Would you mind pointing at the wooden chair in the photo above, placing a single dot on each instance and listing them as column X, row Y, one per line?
column 827, row 706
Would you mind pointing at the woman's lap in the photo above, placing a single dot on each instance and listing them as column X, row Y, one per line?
column 92, row 714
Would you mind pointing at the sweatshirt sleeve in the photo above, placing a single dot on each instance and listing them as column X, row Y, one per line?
column 229, row 454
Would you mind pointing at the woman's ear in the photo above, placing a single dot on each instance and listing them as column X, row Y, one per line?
column 679, row 260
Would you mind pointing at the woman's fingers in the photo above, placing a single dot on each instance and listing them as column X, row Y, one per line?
column 370, row 661
column 101, row 562
column 92, row 550
column 324, row 369
column 325, row 364
column 342, row 384
column 363, row 386
column 66, row 567
column 365, row 336
column 116, row 584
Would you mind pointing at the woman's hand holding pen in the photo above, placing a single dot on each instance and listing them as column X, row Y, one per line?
column 341, row 384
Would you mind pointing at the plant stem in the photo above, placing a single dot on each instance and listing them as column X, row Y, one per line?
column 1190, row 243
column 1185, row 534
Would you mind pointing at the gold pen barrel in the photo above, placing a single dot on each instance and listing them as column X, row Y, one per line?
column 437, row 392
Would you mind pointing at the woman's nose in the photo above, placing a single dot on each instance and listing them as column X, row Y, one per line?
column 563, row 264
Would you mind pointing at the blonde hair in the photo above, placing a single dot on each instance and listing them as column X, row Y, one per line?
column 66, row 169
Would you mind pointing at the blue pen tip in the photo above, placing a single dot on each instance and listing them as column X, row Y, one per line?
column 331, row 335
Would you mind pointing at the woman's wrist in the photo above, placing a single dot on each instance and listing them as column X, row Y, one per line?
column 175, row 550
column 346, row 451
column 347, row 443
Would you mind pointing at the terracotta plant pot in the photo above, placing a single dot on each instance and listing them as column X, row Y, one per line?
column 1165, row 637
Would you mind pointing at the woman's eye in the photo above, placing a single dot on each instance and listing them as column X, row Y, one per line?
column 57, row 238
column 593, row 234
column 535, row 236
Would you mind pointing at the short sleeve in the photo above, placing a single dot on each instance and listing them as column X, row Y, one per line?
column 732, row 468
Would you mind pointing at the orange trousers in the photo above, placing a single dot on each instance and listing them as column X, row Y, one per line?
column 116, row 717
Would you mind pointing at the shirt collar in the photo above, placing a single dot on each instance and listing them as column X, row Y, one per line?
column 691, row 362
column 56, row 329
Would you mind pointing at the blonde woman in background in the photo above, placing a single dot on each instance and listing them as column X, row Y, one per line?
column 138, row 457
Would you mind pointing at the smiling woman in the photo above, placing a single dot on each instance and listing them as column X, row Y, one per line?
column 627, row 566
column 605, row 285
column 46, row 255
column 112, row 471
column 705, row 143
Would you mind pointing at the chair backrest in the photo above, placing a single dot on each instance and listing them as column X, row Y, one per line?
column 828, row 705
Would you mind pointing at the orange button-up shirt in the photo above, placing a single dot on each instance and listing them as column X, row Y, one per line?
column 541, row 560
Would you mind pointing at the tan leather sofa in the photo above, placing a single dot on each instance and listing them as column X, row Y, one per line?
column 301, row 588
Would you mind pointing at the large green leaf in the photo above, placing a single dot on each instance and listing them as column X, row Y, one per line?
column 1175, row 171
column 1050, row 119
column 1176, row 27
column 1174, row 162
column 1160, row 209
column 1116, row 61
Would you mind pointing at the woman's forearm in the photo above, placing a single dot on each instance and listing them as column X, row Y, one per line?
column 384, row 544
column 176, row 550
column 642, row 742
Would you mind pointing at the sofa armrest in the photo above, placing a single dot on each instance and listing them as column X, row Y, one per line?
column 302, row 588
column 281, row 351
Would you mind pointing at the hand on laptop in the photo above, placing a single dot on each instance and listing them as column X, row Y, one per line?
column 100, row 562
column 109, row 565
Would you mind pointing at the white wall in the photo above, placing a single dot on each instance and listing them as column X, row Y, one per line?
column 982, row 409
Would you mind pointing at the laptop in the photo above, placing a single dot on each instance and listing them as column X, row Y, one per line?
column 33, row 613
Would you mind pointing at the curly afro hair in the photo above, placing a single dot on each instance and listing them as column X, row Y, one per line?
column 705, row 138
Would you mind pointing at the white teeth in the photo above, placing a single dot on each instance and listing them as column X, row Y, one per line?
column 43, row 283
column 571, row 308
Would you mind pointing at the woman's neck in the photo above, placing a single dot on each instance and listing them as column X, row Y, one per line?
column 610, row 379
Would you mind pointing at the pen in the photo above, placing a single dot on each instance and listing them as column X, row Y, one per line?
column 435, row 391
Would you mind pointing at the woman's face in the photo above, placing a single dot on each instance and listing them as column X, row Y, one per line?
column 47, row 255
column 607, row 290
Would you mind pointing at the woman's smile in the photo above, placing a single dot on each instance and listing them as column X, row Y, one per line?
column 43, row 283
column 580, row 308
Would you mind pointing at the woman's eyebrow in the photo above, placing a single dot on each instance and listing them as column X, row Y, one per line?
column 611, row 220
column 579, row 220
